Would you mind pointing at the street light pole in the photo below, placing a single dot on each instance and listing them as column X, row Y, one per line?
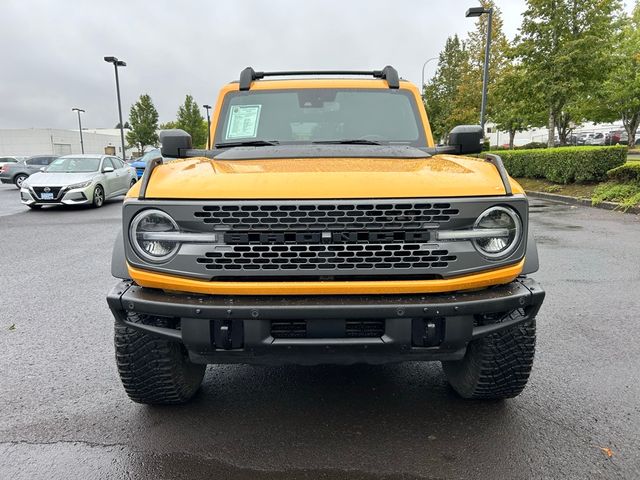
column 79, row 126
column 118, row 63
column 476, row 12
column 423, row 66
column 207, row 108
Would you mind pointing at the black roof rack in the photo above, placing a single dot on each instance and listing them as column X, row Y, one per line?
column 388, row 73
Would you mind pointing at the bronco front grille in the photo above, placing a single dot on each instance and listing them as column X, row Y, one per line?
column 326, row 215
column 324, row 240
column 355, row 257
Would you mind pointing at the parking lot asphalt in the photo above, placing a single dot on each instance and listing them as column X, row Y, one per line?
column 65, row 415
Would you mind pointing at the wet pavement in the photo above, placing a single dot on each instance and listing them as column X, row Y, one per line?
column 65, row 415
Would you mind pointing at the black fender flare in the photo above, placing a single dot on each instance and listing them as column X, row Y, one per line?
column 531, row 262
column 119, row 260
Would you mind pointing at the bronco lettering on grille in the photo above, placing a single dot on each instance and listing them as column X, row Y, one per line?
column 256, row 238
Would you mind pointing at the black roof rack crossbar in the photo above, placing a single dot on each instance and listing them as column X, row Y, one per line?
column 388, row 73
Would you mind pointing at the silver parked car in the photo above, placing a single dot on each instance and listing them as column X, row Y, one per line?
column 78, row 180
column 18, row 172
column 10, row 159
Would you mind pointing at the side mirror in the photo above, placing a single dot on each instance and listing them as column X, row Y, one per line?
column 42, row 169
column 174, row 142
column 466, row 139
column 107, row 170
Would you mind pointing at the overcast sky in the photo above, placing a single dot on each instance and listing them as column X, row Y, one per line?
column 53, row 50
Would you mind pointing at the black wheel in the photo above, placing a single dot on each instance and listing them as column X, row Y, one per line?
column 19, row 179
column 98, row 196
column 496, row 366
column 153, row 370
column 35, row 207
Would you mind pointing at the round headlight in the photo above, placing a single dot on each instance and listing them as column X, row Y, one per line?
column 147, row 245
column 507, row 222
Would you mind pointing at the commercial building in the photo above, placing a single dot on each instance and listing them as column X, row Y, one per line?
column 36, row 141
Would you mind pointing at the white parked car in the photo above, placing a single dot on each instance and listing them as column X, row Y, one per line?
column 78, row 180
column 595, row 139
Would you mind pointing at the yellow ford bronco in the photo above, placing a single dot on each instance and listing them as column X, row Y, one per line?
column 323, row 225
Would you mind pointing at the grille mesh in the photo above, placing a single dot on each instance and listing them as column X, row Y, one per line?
column 364, row 328
column 352, row 329
column 40, row 190
column 327, row 216
column 392, row 256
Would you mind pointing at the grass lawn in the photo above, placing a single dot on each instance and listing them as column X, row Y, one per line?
column 573, row 189
column 627, row 195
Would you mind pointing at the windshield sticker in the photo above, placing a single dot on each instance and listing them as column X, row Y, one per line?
column 243, row 121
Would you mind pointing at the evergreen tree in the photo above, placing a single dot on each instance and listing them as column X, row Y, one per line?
column 191, row 121
column 143, row 118
column 440, row 92
column 168, row 125
column 454, row 95
column 469, row 97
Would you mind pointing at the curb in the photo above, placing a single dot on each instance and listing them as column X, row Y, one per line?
column 585, row 202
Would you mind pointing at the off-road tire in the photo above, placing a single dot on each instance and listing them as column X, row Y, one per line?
column 153, row 370
column 496, row 366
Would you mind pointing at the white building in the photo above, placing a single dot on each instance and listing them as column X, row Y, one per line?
column 36, row 141
column 499, row 138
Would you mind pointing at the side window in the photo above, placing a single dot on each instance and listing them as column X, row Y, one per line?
column 33, row 161
column 107, row 163
column 117, row 163
column 48, row 160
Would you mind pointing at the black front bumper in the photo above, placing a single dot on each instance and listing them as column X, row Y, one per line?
column 239, row 329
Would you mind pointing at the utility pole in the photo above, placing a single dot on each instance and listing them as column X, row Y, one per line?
column 74, row 109
column 476, row 12
column 207, row 108
column 119, row 63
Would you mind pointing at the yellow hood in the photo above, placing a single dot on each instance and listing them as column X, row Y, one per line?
column 438, row 176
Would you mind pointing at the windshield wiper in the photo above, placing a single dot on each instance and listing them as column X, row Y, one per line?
column 355, row 141
column 248, row 143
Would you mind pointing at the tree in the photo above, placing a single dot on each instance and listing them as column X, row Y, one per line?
column 191, row 121
column 144, row 124
column 619, row 95
column 126, row 125
column 440, row 92
column 469, row 98
column 512, row 112
column 168, row 125
column 454, row 94
column 564, row 47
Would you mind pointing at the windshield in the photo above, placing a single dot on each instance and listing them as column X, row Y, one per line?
column 74, row 165
column 328, row 115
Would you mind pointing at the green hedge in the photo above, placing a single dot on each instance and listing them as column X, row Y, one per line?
column 627, row 173
column 564, row 164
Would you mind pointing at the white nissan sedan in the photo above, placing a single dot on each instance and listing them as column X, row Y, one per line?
column 78, row 180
